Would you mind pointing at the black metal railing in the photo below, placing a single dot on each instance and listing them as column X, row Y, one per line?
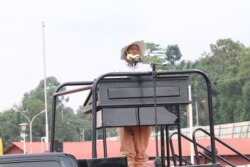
column 58, row 93
column 208, row 151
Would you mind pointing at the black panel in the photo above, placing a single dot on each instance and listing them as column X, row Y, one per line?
column 130, row 101
column 139, row 92
column 123, row 93
column 164, row 117
column 115, row 117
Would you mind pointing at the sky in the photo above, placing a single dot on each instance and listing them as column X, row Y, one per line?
column 83, row 38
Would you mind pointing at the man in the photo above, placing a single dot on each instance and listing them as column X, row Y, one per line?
column 134, row 139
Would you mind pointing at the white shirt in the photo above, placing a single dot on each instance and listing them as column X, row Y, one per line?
column 140, row 67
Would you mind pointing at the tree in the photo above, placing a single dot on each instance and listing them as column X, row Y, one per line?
column 152, row 47
column 9, row 131
column 226, row 53
column 153, row 59
column 33, row 103
column 173, row 54
column 34, row 100
column 227, row 66
column 70, row 126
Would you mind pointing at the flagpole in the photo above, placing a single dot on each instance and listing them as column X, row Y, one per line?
column 45, row 89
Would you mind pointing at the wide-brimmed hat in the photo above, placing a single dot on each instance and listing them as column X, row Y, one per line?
column 140, row 44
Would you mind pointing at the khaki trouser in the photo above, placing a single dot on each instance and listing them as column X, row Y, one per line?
column 134, row 143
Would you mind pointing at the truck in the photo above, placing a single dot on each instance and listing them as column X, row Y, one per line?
column 115, row 90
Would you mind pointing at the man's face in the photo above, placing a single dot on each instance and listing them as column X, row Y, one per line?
column 133, row 49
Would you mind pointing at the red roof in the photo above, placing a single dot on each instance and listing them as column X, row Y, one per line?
column 82, row 150
column 240, row 145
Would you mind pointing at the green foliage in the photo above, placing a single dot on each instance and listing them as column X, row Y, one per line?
column 153, row 59
column 227, row 66
column 68, row 125
column 152, row 46
column 173, row 54
column 9, row 127
column 34, row 100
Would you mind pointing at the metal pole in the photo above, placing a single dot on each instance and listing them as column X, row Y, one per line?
column 24, row 142
column 42, row 140
column 83, row 137
column 30, row 131
column 30, row 126
column 31, row 150
column 197, row 112
column 31, row 147
column 45, row 89
column 190, row 112
column 196, row 105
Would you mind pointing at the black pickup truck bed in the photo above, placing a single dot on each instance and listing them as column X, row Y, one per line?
column 58, row 160
column 39, row 160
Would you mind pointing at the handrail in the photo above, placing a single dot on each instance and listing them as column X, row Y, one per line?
column 218, row 156
column 184, row 160
column 218, row 140
column 55, row 95
column 196, row 155
column 172, row 146
column 72, row 91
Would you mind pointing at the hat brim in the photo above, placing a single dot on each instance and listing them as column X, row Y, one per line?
column 140, row 44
